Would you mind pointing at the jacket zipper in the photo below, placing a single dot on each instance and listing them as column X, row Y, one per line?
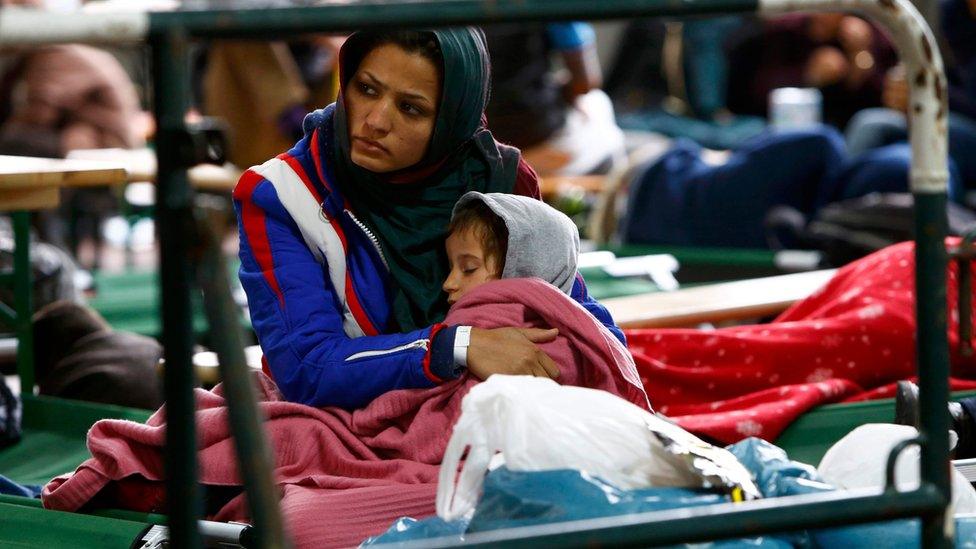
column 418, row 344
column 371, row 236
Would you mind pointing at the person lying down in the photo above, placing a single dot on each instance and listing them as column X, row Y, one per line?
column 332, row 465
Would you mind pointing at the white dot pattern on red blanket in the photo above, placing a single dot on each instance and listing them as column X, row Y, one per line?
column 851, row 339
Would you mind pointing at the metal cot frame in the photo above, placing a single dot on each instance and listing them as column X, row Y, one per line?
column 168, row 33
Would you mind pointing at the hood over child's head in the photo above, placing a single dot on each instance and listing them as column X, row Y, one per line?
column 541, row 241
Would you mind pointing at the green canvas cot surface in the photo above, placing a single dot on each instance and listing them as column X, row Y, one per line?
column 129, row 301
column 54, row 437
column 29, row 526
column 53, row 443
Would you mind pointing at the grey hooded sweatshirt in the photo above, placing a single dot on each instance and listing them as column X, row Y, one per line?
column 542, row 241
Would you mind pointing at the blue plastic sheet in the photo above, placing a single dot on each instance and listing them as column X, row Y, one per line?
column 777, row 476
column 11, row 488
column 512, row 499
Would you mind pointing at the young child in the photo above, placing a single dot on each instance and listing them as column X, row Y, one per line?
column 498, row 235
column 502, row 236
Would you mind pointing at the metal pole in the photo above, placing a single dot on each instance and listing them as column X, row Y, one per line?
column 254, row 459
column 933, row 357
column 23, row 301
column 33, row 27
column 26, row 26
column 174, row 223
column 344, row 16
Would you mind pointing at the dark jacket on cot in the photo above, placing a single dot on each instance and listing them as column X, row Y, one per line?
column 78, row 356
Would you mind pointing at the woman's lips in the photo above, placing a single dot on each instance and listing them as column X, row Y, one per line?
column 369, row 146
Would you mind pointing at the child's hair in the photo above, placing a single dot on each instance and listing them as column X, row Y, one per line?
column 476, row 216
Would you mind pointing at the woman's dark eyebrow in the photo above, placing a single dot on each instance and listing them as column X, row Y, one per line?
column 408, row 94
column 375, row 81
column 416, row 97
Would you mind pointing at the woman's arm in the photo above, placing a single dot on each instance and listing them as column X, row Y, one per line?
column 297, row 316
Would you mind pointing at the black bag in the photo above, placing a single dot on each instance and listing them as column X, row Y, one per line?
column 52, row 269
column 854, row 228
column 92, row 362
column 10, row 412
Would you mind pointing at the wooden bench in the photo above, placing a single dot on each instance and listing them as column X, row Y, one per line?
column 551, row 186
column 741, row 299
column 29, row 183
column 140, row 165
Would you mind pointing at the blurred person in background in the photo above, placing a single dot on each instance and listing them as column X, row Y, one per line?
column 671, row 77
column 263, row 90
column 55, row 99
column 561, row 120
column 59, row 98
column 876, row 130
column 845, row 57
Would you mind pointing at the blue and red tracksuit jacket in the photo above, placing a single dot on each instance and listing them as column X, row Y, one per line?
column 316, row 282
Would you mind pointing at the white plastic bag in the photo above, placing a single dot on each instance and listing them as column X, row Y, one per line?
column 540, row 425
column 858, row 461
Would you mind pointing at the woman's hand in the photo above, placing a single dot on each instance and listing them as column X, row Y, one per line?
column 511, row 351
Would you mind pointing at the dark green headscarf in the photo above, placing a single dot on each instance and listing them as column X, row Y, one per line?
column 409, row 211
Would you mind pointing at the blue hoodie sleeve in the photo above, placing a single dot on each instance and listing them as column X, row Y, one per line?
column 297, row 315
column 601, row 313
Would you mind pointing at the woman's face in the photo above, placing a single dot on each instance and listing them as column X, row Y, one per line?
column 391, row 105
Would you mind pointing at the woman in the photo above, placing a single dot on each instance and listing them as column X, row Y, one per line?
column 342, row 237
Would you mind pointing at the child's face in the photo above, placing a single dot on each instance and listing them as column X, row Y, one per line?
column 469, row 267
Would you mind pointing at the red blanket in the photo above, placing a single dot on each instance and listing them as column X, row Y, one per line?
column 851, row 340
column 346, row 475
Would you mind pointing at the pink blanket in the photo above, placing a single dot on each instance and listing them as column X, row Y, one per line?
column 347, row 475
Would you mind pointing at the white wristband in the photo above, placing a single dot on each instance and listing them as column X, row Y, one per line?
column 462, row 338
